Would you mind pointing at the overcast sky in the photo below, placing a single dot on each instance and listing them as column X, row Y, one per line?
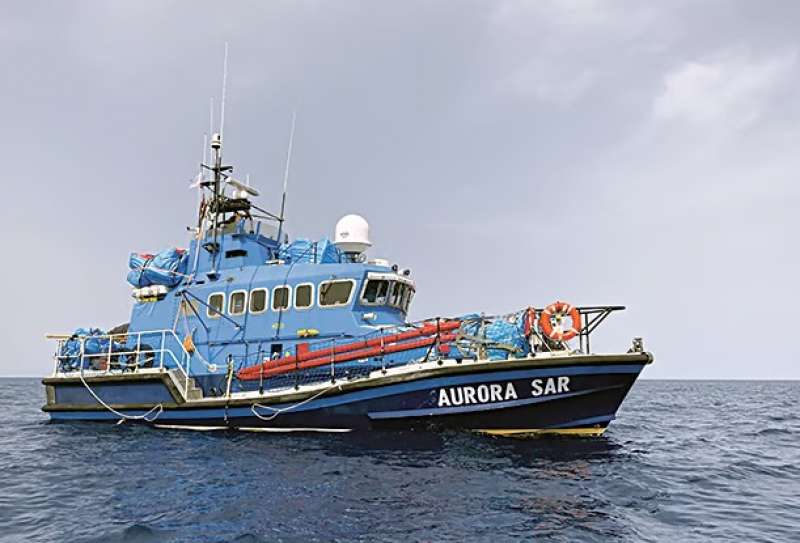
column 509, row 153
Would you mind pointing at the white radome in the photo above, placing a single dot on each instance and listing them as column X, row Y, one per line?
column 352, row 234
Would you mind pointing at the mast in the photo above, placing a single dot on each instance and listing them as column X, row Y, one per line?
column 222, row 209
column 216, row 147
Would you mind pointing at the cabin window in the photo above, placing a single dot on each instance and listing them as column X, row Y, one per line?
column 398, row 292
column 280, row 298
column 303, row 296
column 335, row 293
column 237, row 302
column 408, row 298
column 375, row 292
column 258, row 300
column 216, row 305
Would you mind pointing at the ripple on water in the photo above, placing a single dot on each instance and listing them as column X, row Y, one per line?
column 684, row 460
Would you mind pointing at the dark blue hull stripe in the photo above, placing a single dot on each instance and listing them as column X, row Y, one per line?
column 436, row 411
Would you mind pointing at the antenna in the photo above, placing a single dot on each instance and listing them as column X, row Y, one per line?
column 224, row 88
column 216, row 145
column 205, row 145
column 210, row 116
column 202, row 165
column 199, row 182
column 200, row 212
column 286, row 176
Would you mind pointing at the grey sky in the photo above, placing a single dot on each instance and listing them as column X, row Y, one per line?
column 510, row 153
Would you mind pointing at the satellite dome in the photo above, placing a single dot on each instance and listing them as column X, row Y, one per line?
column 352, row 234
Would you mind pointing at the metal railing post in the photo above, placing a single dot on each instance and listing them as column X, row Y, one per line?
column 110, row 345
column 230, row 376
column 333, row 360
column 296, row 372
column 138, row 351
column 187, row 370
column 261, row 371
column 186, row 385
column 161, row 353
column 383, row 355
column 57, row 357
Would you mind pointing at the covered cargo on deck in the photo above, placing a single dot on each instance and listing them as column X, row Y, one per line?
column 166, row 268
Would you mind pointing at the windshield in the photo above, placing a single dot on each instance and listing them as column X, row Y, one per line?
column 396, row 294
column 375, row 292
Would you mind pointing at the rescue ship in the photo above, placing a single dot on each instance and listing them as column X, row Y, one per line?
column 247, row 330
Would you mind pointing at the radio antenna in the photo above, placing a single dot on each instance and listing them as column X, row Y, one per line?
column 218, row 169
column 201, row 173
column 206, row 136
column 286, row 176
column 210, row 116
column 224, row 88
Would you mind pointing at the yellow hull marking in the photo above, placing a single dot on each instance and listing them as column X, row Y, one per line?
column 277, row 429
column 594, row 432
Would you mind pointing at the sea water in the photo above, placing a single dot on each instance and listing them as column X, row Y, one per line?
column 685, row 460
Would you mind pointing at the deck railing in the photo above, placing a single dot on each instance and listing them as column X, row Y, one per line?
column 124, row 352
column 163, row 349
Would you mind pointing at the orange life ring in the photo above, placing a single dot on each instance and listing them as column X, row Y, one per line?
column 560, row 310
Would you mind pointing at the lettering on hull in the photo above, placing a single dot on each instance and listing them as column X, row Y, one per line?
column 540, row 387
column 496, row 392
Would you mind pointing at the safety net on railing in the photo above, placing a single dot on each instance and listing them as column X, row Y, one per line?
column 469, row 336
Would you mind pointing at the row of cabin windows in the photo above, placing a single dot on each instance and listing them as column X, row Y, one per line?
column 331, row 294
column 384, row 292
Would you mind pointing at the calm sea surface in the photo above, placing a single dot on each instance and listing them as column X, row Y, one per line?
column 684, row 461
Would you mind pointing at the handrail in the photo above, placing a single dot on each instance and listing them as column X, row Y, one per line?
column 125, row 354
column 182, row 361
column 470, row 340
column 592, row 317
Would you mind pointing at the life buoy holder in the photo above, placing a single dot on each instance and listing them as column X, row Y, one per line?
column 559, row 310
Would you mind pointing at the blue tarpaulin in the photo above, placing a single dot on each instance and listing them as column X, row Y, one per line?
column 166, row 268
column 305, row 251
column 510, row 334
column 71, row 349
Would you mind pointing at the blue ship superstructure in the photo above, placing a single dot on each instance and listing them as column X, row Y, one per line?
column 245, row 329
column 242, row 295
column 251, row 305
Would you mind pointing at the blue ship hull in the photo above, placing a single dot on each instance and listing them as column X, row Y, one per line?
column 571, row 394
